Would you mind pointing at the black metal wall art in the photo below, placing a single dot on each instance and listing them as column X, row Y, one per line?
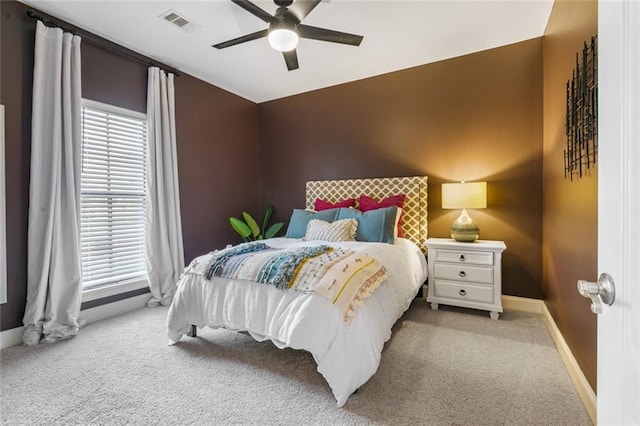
column 581, row 122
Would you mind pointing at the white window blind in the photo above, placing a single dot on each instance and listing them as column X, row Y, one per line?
column 114, row 150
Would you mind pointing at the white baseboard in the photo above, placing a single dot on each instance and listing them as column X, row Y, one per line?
column 537, row 306
column 13, row 336
column 522, row 304
column 114, row 309
column 585, row 391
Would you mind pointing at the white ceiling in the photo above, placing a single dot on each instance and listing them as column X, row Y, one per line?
column 397, row 35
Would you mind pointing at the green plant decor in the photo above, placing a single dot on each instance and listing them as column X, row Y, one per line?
column 249, row 229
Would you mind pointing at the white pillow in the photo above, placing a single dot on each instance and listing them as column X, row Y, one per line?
column 340, row 230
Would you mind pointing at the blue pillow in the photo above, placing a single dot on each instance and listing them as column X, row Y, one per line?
column 375, row 226
column 300, row 218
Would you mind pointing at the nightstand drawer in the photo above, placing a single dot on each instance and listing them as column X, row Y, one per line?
column 476, row 258
column 461, row 291
column 477, row 274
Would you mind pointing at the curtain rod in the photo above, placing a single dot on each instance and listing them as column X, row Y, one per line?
column 102, row 42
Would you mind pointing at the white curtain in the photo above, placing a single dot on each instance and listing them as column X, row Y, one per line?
column 165, row 256
column 54, row 274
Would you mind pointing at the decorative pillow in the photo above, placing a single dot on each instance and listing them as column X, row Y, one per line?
column 340, row 230
column 300, row 218
column 321, row 204
column 366, row 203
column 375, row 226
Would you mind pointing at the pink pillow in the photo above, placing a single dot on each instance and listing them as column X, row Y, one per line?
column 325, row 205
column 366, row 203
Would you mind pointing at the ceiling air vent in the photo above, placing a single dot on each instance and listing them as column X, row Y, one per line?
column 179, row 21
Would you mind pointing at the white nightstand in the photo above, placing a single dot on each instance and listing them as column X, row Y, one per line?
column 466, row 274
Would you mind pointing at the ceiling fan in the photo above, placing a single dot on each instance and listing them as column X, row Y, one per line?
column 285, row 28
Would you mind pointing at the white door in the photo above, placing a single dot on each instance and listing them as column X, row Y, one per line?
column 619, row 210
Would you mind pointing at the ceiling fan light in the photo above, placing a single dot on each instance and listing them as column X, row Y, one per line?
column 283, row 39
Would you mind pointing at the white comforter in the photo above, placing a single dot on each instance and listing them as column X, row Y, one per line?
column 347, row 354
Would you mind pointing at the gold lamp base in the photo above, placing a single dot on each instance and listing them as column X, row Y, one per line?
column 464, row 228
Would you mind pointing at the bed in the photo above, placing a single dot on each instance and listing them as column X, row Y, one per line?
column 347, row 352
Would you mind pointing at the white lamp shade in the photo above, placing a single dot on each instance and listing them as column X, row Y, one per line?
column 283, row 39
column 464, row 195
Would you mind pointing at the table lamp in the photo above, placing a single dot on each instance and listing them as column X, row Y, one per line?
column 464, row 195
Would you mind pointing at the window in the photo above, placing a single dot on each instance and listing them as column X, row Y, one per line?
column 113, row 187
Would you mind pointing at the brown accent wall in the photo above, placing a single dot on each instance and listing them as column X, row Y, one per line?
column 216, row 133
column 217, row 161
column 476, row 117
column 17, row 35
column 570, row 214
column 112, row 78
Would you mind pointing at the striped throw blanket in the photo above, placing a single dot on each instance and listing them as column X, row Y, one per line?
column 342, row 276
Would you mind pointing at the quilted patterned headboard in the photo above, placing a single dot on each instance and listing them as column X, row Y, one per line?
column 415, row 206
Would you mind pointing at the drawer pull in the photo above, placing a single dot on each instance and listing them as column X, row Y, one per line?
column 462, row 274
column 462, row 293
column 462, row 259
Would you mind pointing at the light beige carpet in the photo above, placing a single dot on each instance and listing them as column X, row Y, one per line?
column 446, row 367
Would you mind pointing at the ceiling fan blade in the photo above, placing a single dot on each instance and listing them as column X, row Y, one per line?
column 301, row 8
column 291, row 58
column 323, row 34
column 255, row 10
column 244, row 38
